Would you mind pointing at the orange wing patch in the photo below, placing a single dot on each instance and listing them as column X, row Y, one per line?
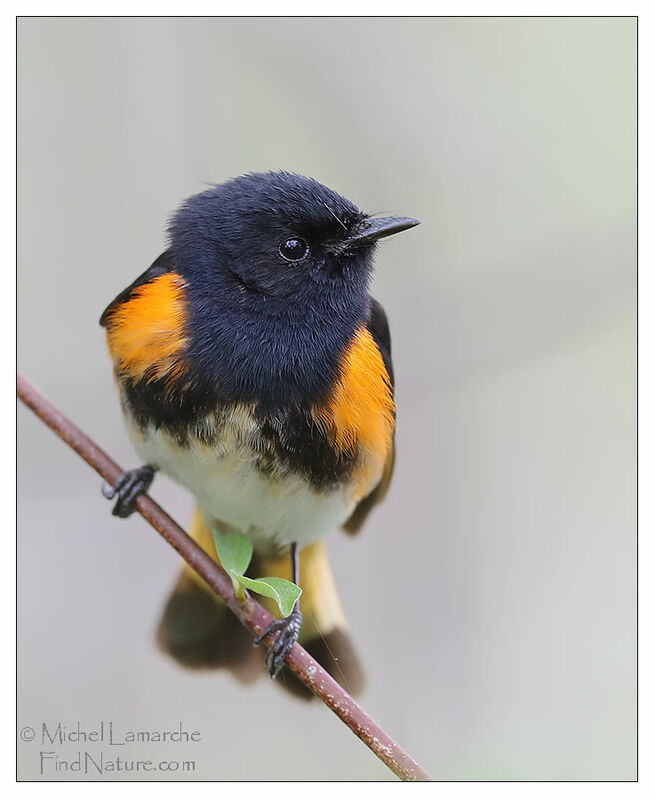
column 146, row 333
column 359, row 413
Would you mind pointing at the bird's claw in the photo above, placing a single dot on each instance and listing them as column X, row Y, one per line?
column 287, row 630
column 127, row 488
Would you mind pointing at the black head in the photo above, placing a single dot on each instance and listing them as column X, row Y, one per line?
column 277, row 235
column 277, row 269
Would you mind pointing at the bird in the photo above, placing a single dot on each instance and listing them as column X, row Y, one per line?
column 254, row 368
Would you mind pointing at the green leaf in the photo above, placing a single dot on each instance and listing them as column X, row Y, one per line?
column 234, row 551
column 282, row 591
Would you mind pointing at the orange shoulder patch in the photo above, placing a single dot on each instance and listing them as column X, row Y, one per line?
column 146, row 333
column 359, row 413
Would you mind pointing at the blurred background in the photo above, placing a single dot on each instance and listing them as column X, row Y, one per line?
column 492, row 596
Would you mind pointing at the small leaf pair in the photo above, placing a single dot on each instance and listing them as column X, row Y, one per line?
column 234, row 552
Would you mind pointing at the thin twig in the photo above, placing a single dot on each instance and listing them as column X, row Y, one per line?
column 251, row 614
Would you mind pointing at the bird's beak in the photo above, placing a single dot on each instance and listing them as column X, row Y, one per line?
column 371, row 230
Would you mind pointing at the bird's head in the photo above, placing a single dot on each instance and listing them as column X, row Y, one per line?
column 277, row 237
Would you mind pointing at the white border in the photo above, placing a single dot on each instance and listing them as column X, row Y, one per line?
column 646, row 325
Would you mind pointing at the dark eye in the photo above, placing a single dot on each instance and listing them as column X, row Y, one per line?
column 294, row 249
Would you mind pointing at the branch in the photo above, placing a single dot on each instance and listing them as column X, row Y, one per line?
column 251, row 614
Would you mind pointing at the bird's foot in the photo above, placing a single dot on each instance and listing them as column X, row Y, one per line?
column 127, row 488
column 287, row 630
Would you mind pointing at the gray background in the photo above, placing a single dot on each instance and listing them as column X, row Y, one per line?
column 493, row 595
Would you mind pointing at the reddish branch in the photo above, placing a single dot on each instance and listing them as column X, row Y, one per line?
column 250, row 613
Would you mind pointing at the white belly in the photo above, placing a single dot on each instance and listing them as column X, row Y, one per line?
column 273, row 510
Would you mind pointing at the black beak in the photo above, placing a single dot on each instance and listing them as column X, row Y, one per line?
column 371, row 230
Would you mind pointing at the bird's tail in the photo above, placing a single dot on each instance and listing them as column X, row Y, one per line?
column 198, row 631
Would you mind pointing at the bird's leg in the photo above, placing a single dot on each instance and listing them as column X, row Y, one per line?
column 287, row 628
column 127, row 488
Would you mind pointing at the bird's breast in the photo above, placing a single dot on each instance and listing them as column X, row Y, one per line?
column 284, row 475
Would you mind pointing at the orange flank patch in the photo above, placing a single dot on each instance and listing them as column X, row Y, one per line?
column 359, row 413
column 146, row 333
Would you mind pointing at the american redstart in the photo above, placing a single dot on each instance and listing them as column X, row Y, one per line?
column 254, row 368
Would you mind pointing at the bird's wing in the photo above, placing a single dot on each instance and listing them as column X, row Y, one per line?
column 146, row 333
column 161, row 266
column 378, row 327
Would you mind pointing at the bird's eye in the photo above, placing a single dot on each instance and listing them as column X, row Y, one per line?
column 294, row 249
